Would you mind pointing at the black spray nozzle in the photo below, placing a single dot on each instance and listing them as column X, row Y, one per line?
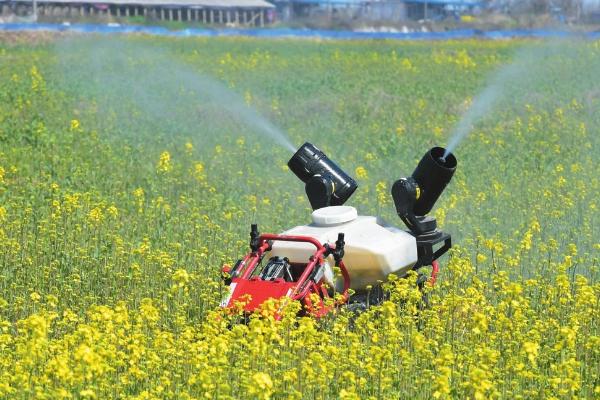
column 337, row 252
column 432, row 174
column 415, row 196
column 254, row 238
column 340, row 243
column 326, row 183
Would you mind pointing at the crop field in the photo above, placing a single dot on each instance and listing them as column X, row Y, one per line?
column 132, row 167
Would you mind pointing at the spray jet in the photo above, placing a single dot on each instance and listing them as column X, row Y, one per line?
column 364, row 248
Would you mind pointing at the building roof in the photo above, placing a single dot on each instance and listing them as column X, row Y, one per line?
column 469, row 3
column 172, row 3
column 462, row 3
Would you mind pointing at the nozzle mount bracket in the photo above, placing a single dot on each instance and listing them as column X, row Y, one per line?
column 405, row 193
column 426, row 254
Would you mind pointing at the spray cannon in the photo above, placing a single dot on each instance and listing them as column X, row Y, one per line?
column 365, row 249
column 415, row 196
column 325, row 183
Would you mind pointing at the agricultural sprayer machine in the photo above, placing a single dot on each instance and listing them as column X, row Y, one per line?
column 300, row 261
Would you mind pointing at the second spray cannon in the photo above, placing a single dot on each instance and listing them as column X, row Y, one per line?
column 374, row 249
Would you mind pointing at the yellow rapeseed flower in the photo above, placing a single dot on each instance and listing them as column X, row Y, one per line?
column 164, row 162
column 361, row 173
column 75, row 125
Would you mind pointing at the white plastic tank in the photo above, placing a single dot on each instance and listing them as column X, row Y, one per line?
column 373, row 248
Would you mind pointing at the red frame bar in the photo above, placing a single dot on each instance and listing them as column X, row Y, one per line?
column 302, row 289
column 254, row 257
column 315, row 260
column 292, row 238
column 435, row 269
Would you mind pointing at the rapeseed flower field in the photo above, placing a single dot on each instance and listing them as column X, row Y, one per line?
column 123, row 190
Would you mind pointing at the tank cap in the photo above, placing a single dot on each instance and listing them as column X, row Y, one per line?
column 334, row 215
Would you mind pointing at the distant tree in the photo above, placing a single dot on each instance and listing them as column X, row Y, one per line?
column 570, row 8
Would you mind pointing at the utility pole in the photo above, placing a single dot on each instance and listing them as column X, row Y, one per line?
column 35, row 14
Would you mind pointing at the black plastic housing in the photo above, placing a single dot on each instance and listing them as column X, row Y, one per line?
column 326, row 183
column 432, row 175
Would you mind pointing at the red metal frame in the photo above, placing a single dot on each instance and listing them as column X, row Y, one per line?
column 435, row 269
column 245, row 284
